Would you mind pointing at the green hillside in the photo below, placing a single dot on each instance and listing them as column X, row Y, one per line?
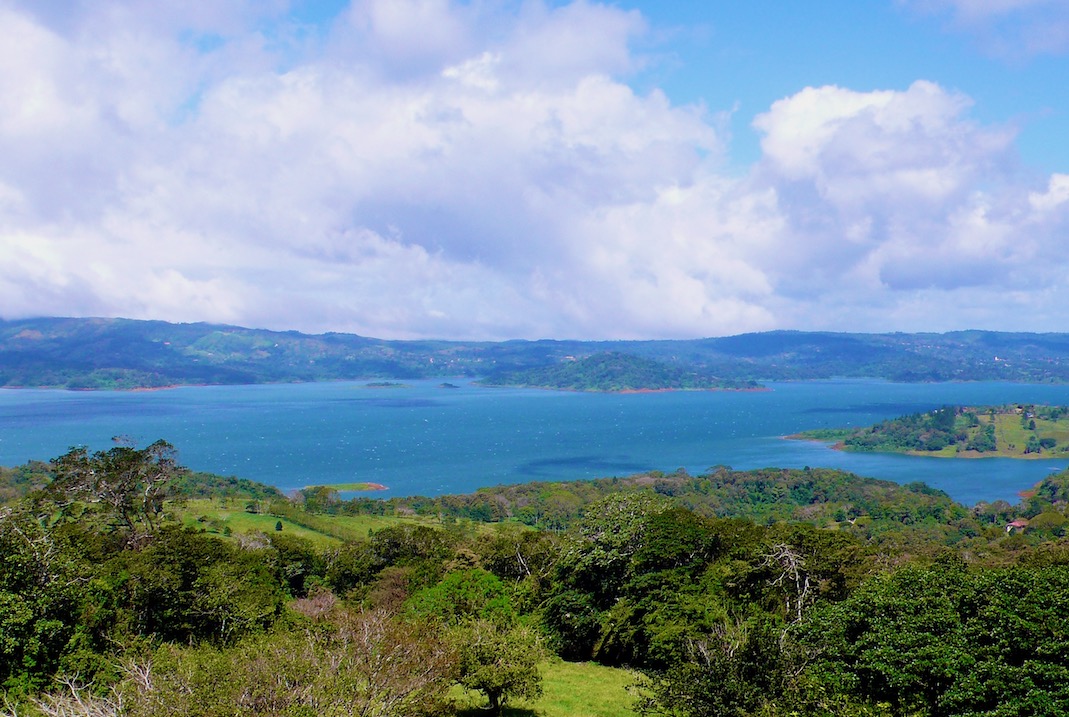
column 614, row 371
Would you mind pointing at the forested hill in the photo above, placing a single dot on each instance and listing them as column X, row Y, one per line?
column 615, row 371
column 123, row 353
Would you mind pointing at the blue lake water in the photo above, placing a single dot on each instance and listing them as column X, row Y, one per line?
column 424, row 439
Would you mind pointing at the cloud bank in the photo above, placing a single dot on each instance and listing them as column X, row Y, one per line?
column 429, row 168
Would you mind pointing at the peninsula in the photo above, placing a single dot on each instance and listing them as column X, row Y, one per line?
column 1009, row 431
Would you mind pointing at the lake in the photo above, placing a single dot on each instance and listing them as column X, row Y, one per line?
column 426, row 439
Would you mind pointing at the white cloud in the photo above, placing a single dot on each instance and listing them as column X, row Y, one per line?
column 405, row 37
column 1010, row 28
column 857, row 147
column 492, row 177
column 1056, row 196
column 974, row 10
column 889, row 195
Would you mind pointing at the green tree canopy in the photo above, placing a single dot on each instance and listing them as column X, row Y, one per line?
column 124, row 487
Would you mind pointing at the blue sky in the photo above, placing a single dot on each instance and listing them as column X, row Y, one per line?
column 757, row 53
column 498, row 169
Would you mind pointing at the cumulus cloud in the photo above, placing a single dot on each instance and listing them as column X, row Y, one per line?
column 888, row 195
column 875, row 181
column 433, row 168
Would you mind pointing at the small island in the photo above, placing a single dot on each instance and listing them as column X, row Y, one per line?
column 1010, row 431
column 615, row 372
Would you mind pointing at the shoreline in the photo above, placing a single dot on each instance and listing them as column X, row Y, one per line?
column 747, row 389
column 170, row 387
column 628, row 391
column 129, row 389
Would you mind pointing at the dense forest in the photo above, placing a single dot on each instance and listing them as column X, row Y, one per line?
column 130, row 586
column 1016, row 431
column 123, row 353
column 614, row 371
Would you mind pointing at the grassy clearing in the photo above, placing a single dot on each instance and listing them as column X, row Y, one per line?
column 1013, row 438
column 570, row 689
column 216, row 516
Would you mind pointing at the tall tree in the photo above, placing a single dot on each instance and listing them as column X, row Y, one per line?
column 125, row 486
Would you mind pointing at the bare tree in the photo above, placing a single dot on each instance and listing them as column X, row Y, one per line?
column 790, row 575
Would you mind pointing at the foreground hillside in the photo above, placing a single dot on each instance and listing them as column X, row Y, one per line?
column 121, row 353
column 130, row 587
column 127, row 588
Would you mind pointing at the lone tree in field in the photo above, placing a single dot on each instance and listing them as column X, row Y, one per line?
column 499, row 661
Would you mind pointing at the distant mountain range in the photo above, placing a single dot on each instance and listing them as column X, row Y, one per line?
column 124, row 353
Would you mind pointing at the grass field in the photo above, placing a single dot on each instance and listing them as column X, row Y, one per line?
column 570, row 689
column 1012, row 437
column 216, row 516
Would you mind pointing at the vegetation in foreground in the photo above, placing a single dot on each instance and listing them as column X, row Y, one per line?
column 1011, row 431
column 863, row 600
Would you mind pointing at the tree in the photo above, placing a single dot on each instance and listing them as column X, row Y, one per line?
column 125, row 486
column 389, row 667
column 298, row 562
column 39, row 590
column 499, row 661
column 1033, row 445
column 319, row 498
column 511, row 552
column 463, row 595
column 363, row 664
column 948, row 642
column 189, row 587
column 598, row 556
column 789, row 574
column 728, row 674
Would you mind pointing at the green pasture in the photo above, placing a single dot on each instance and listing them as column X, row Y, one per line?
column 215, row 516
column 570, row 689
column 1012, row 437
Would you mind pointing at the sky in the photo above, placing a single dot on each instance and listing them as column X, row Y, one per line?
column 498, row 169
